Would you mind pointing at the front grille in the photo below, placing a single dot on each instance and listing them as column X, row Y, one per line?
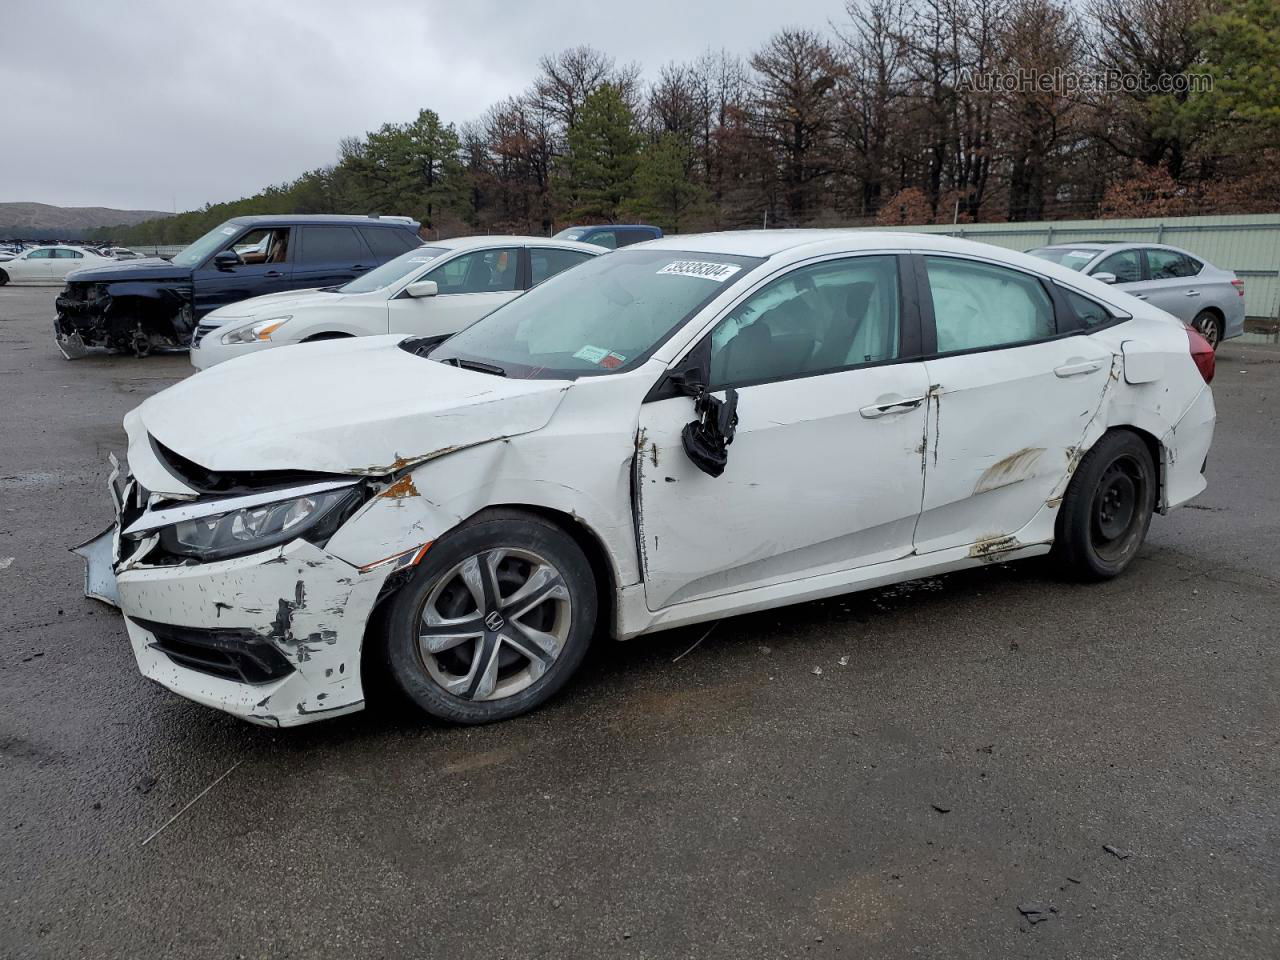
column 202, row 330
column 238, row 655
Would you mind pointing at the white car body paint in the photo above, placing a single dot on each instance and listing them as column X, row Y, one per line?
column 327, row 313
column 49, row 266
column 819, row 498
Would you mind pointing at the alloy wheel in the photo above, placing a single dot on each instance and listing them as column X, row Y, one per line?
column 494, row 624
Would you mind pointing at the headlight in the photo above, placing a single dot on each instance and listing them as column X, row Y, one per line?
column 315, row 517
column 253, row 332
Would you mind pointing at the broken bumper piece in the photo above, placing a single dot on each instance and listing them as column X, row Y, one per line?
column 72, row 345
column 273, row 638
column 99, row 566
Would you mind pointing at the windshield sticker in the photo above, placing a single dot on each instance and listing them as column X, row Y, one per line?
column 1080, row 254
column 591, row 354
column 719, row 272
column 612, row 361
column 228, row 231
column 421, row 259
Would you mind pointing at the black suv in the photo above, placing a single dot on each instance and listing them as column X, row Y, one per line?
column 138, row 305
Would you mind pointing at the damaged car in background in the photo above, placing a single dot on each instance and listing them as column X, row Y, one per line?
column 676, row 432
column 137, row 306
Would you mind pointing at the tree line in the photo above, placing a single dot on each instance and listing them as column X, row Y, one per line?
column 900, row 112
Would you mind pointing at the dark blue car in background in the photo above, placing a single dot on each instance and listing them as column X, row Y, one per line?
column 140, row 305
column 611, row 235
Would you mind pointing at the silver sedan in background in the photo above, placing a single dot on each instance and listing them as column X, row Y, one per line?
column 1199, row 294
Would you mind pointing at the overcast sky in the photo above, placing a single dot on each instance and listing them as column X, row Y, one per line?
column 136, row 104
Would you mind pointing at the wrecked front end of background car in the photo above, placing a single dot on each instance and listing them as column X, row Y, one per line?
column 126, row 315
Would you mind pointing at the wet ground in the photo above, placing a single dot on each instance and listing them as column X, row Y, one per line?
column 1106, row 755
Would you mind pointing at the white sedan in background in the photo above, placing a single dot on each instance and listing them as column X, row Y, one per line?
column 49, row 265
column 679, row 431
column 430, row 291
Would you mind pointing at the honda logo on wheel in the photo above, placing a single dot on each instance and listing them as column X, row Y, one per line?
column 494, row 621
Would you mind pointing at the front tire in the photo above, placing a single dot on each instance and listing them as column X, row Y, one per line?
column 496, row 619
column 1208, row 325
column 4, row 278
column 1107, row 508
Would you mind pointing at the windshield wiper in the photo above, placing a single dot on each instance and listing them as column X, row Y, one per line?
column 477, row 366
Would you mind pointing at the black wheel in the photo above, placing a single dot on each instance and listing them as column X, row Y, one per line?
column 4, row 278
column 497, row 617
column 1208, row 325
column 1107, row 508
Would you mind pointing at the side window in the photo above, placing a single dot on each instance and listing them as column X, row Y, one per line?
column 821, row 318
column 1169, row 265
column 1126, row 265
column 545, row 262
column 605, row 238
column 1091, row 313
column 263, row 245
column 482, row 271
column 628, row 237
column 978, row 305
column 386, row 244
column 42, row 254
column 331, row 245
column 62, row 253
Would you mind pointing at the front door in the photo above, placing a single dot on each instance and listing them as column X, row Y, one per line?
column 266, row 266
column 469, row 286
column 1012, row 398
column 824, row 473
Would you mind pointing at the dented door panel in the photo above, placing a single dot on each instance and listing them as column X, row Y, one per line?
column 1005, row 427
column 812, row 484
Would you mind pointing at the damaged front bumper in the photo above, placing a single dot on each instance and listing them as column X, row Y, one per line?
column 274, row 637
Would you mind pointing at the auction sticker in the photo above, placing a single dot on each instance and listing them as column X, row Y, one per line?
column 591, row 354
column 719, row 272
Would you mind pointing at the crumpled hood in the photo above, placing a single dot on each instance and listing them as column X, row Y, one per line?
column 276, row 302
column 149, row 268
column 358, row 406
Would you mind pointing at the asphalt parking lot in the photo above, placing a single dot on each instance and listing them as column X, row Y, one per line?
column 973, row 744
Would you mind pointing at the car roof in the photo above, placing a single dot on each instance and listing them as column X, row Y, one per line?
column 469, row 243
column 594, row 227
column 344, row 219
column 769, row 243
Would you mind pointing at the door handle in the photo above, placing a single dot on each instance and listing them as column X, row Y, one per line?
column 1076, row 366
column 273, row 274
column 358, row 266
column 890, row 406
column 1193, row 293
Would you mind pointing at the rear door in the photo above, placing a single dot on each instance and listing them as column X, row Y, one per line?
column 64, row 261
column 469, row 286
column 329, row 255
column 1172, row 285
column 546, row 262
column 1015, row 381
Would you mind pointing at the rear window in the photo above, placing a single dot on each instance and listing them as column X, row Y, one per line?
column 1072, row 257
column 386, row 242
column 330, row 245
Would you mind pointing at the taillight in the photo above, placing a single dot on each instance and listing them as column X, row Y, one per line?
column 1202, row 355
column 1239, row 285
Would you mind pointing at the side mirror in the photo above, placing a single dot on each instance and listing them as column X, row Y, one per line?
column 226, row 259
column 1105, row 277
column 423, row 288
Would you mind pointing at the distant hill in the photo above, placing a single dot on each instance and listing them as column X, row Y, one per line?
column 37, row 220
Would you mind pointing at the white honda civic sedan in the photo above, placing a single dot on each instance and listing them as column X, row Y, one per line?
column 431, row 290
column 676, row 432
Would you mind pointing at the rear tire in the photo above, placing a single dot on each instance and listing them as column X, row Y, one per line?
column 1107, row 508
column 497, row 617
column 1208, row 325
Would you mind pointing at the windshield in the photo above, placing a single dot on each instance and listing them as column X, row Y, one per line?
column 573, row 233
column 392, row 270
column 1073, row 257
column 210, row 243
column 606, row 315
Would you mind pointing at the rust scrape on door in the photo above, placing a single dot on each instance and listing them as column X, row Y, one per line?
column 993, row 547
column 400, row 489
column 1013, row 468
